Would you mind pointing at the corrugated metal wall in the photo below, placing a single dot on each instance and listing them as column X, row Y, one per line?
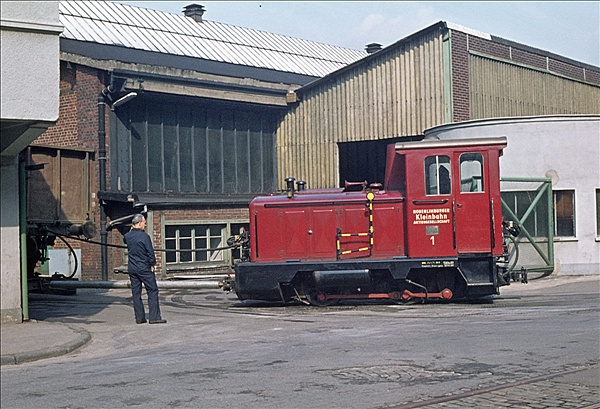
column 397, row 93
column 500, row 89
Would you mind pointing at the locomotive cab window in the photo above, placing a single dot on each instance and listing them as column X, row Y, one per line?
column 437, row 176
column 471, row 172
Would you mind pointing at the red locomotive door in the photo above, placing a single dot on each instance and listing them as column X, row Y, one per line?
column 429, row 208
column 472, row 208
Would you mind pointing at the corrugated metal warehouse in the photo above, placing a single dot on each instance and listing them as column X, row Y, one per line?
column 204, row 116
column 442, row 74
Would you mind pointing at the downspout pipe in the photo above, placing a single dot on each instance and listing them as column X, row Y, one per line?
column 102, row 177
column 102, row 103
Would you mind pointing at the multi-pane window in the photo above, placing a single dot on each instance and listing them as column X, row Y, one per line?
column 198, row 244
column 471, row 172
column 174, row 146
column 437, row 175
column 564, row 213
column 537, row 222
column 198, row 239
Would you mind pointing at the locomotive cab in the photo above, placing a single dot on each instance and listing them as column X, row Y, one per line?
column 453, row 191
column 433, row 231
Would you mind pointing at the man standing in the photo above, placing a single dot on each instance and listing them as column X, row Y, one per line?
column 141, row 270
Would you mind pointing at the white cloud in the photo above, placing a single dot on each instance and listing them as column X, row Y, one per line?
column 389, row 29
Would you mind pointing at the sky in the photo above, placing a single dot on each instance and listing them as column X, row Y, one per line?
column 570, row 29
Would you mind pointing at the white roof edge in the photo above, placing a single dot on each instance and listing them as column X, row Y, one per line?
column 512, row 120
column 467, row 30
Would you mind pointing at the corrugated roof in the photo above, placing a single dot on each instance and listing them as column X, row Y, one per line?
column 127, row 26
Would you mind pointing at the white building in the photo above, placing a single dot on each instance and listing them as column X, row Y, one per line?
column 30, row 100
column 565, row 149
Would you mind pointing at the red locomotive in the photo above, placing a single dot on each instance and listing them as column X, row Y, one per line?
column 432, row 231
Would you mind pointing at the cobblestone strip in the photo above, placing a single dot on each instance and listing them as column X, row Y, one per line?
column 545, row 392
column 540, row 395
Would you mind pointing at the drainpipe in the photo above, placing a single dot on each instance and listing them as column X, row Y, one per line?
column 23, row 241
column 102, row 163
column 102, row 175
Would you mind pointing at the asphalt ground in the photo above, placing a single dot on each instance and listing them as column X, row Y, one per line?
column 56, row 333
column 40, row 339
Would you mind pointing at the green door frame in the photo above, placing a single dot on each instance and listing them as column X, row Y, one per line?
column 545, row 190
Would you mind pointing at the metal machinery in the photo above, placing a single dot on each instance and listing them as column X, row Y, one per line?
column 434, row 230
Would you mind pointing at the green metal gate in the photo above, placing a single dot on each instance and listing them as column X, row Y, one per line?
column 528, row 203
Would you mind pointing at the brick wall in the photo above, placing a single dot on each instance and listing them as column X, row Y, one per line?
column 460, row 76
column 463, row 43
column 529, row 57
column 77, row 127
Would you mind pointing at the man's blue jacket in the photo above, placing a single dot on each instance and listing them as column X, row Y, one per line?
column 140, row 251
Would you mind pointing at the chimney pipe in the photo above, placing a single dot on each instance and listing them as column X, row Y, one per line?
column 289, row 181
column 373, row 48
column 195, row 11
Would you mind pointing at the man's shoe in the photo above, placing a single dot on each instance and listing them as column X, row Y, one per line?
column 141, row 322
column 158, row 321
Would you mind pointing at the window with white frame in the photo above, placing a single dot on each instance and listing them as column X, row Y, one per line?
column 200, row 244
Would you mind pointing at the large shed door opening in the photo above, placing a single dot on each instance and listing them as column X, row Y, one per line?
column 365, row 160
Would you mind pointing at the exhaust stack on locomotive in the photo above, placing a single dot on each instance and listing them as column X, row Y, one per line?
column 432, row 231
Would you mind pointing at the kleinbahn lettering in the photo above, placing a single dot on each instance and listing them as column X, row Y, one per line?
column 431, row 216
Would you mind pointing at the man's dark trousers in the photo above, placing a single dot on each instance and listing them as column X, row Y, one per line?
column 149, row 280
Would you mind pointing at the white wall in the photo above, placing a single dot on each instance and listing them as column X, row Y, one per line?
column 29, row 104
column 564, row 148
column 30, row 60
column 10, row 266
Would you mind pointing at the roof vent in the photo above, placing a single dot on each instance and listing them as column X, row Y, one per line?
column 195, row 11
column 373, row 48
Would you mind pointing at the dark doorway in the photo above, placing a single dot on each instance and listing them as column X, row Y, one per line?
column 365, row 160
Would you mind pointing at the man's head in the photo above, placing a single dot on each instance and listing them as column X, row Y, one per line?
column 138, row 221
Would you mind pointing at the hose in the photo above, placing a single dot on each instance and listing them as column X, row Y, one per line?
column 120, row 246
column 515, row 254
column 74, row 257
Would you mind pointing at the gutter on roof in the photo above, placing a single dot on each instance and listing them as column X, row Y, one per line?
column 156, row 200
column 190, row 89
column 125, row 74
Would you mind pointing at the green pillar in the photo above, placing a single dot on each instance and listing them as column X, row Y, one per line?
column 23, row 239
